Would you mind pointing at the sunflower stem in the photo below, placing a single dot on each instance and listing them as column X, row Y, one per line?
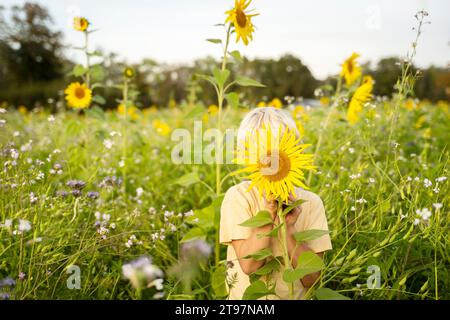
column 88, row 62
column 124, row 135
column 219, row 146
column 284, row 245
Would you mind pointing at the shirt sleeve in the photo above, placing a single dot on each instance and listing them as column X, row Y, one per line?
column 317, row 220
column 235, row 210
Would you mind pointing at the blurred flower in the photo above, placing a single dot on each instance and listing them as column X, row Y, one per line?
column 420, row 121
column 129, row 73
column 157, row 283
column 298, row 112
column 24, row 225
column 110, row 182
column 362, row 95
column 139, row 192
column 276, row 103
column 80, row 24
column 76, row 193
column 76, row 184
column 108, row 143
column 427, row 133
column 423, row 215
column 33, row 198
column 213, row 109
column 92, row 194
column 78, row 95
column 62, row 194
column 7, row 224
column 437, row 206
column 351, row 71
column 195, row 250
column 161, row 127
column 410, row 104
column 325, row 101
column 427, row 183
column 141, row 272
column 153, row 109
column 242, row 20
column 132, row 111
column 7, row 282
column 261, row 104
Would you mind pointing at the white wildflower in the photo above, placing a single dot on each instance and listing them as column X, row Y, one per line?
column 108, row 143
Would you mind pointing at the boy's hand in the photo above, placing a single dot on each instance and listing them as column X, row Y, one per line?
column 292, row 216
column 272, row 207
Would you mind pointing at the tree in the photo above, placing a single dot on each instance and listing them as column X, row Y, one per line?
column 30, row 52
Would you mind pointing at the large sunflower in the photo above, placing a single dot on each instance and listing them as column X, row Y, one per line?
column 351, row 71
column 78, row 95
column 275, row 164
column 362, row 95
column 242, row 20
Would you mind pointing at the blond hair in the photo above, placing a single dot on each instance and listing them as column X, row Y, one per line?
column 265, row 117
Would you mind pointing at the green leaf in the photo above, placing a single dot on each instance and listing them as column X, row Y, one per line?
column 271, row 233
column 187, row 179
column 272, row 265
column 247, row 82
column 292, row 206
column 262, row 218
column 256, row 290
column 214, row 40
column 97, row 73
column 194, row 233
column 308, row 262
column 290, row 275
column 204, row 218
column 195, row 112
column 217, row 205
column 95, row 54
column 220, row 76
column 96, row 112
column 236, row 55
column 260, row 255
column 98, row 99
column 79, row 70
column 232, row 99
column 328, row 294
column 308, row 235
column 207, row 78
column 218, row 281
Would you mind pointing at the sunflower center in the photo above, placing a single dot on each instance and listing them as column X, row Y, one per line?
column 275, row 166
column 350, row 66
column 241, row 18
column 79, row 93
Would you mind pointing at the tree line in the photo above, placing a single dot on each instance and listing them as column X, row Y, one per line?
column 33, row 70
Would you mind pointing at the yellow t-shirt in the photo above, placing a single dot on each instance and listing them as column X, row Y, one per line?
column 240, row 205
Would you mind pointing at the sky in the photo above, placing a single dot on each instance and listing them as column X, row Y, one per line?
column 321, row 32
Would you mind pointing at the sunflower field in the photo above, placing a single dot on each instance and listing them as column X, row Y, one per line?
column 93, row 205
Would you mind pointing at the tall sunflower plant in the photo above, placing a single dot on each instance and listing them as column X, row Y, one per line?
column 79, row 94
column 275, row 163
column 238, row 24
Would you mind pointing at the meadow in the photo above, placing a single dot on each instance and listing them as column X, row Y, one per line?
column 64, row 175
column 93, row 205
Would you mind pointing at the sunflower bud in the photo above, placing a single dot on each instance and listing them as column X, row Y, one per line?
column 129, row 73
column 80, row 24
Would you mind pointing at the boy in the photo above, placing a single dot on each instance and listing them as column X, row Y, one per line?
column 240, row 204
